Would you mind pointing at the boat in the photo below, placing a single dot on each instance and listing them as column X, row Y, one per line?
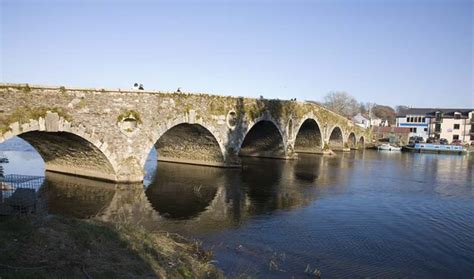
column 435, row 148
column 388, row 147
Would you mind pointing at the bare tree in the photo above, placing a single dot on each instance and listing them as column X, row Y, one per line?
column 362, row 108
column 342, row 103
column 384, row 113
column 401, row 108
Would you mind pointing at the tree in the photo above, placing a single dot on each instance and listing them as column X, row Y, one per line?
column 384, row 113
column 342, row 103
column 362, row 108
column 401, row 108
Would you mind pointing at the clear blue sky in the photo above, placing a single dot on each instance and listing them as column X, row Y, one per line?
column 418, row 53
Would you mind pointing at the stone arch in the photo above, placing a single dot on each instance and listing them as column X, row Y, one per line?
column 336, row 139
column 309, row 137
column 361, row 142
column 190, row 143
column 263, row 139
column 66, row 148
column 351, row 141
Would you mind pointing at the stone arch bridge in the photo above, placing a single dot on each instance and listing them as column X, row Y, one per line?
column 108, row 134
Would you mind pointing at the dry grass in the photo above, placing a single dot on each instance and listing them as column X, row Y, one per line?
column 57, row 247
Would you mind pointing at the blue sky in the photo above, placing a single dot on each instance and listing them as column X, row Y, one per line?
column 417, row 53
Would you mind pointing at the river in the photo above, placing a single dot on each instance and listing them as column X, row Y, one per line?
column 358, row 214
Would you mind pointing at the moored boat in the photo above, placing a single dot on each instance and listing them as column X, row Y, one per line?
column 435, row 148
column 388, row 147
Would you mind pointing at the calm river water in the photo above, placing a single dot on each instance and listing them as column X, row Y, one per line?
column 359, row 214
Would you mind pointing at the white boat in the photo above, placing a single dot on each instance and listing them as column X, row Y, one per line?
column 388, row 147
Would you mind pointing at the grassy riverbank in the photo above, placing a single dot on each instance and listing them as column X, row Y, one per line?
column 58, row 247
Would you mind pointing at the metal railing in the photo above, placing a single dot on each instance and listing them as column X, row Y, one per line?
column 19, row 193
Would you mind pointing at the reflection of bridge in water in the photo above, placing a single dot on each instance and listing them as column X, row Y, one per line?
column 203, row 198
column 194, row 198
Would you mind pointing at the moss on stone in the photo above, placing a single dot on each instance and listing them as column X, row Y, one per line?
column 26, row 89
column 326, row 147
column 218, row 106
column 4, row 129
column 82, row 104
column 24, row 114
column 130, row 114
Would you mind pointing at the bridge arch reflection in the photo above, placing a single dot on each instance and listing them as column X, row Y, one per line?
column 183, row 191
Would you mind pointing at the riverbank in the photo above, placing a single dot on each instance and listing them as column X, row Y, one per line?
column 59, row 247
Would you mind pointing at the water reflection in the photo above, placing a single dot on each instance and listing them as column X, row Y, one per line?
column 279, row 185
column 357, row 214
column 87, row 198
column 262, row 184
column 183, row 191
column 75, row 196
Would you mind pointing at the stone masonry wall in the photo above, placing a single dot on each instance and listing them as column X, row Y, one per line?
column 125, row 125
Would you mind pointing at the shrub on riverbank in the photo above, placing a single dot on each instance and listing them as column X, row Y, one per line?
column 58, row 247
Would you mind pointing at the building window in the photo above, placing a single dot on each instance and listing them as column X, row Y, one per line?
column 426, row 129
column 472, row 137
column 457, row 115
column 423, row 120
column 412, row 130
column 455, row 137
column 408, row 119
column 456, row 126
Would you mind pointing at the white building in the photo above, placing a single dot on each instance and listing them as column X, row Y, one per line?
column 361, row 120
column 450, row 124
column 374, row 121
column 365, row 122
column 453, row 125
column 416, row 120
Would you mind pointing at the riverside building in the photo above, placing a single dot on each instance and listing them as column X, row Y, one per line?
column 451, row 124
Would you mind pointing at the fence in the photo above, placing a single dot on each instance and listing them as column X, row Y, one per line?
column 19, row 193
